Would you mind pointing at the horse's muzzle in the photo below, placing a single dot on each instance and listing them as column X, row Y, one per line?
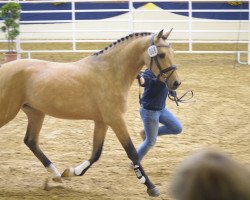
column 176, row 85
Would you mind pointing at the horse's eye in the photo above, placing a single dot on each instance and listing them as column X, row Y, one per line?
column 162, row 55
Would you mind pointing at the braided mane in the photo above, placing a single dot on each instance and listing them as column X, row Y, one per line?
column 122, row 40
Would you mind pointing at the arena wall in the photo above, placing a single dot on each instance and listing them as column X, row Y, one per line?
column 100, row 21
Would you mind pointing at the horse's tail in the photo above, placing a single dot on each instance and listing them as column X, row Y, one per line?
column 11, row 91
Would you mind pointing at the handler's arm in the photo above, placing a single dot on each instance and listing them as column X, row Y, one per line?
column 140, row 79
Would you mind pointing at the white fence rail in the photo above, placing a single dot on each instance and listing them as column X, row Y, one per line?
column 187, row 29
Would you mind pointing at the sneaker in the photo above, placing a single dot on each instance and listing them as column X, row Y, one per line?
column 142, row 134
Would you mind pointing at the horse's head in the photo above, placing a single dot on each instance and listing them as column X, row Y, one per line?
column 160, row 59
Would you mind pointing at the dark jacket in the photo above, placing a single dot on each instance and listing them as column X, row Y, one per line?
column 155, row 92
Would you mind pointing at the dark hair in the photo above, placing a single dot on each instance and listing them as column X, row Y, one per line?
column 211, row 175
column 121, row 40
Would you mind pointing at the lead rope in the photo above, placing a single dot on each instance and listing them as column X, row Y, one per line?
column 172, row 95
column 139, row 84
column 139, row 94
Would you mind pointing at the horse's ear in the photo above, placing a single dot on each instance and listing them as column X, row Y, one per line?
column 166, row 35
column 160, row 34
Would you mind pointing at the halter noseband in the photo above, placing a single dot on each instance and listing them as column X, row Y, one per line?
column 153, row 52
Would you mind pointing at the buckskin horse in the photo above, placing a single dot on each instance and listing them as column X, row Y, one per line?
column 93, row 88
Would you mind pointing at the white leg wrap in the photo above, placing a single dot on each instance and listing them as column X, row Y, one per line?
column 138, row 173
column 52, row 169
column 81, row 167
column 142, row 180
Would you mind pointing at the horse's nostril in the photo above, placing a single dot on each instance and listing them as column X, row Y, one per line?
column 177, row 83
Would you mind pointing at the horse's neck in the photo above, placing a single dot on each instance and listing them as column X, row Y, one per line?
column 127, row 59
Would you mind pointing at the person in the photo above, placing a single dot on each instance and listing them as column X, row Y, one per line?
column 153, row 111
column 210, row 175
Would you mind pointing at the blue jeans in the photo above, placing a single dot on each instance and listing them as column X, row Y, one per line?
column 151, row 120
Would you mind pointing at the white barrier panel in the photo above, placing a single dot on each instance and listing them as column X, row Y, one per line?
column 148, row 17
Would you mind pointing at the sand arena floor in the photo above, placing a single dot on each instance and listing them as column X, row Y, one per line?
column 219, row 119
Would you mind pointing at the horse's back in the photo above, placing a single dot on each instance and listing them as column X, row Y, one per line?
column 11, row 75
column 63, row 90
column 77, row 90
column 15, row 78
column 18, row 67
column 24, row 69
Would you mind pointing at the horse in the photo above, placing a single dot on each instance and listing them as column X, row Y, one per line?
column 93, row 88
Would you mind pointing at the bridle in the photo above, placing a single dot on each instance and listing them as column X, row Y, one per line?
column 153, row 52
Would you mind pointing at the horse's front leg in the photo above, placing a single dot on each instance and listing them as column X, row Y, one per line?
column 120, row 129
column 100, row 131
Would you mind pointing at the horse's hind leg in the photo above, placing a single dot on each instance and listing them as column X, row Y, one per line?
column 35, row 121
column 8, row 112
column 98, row 140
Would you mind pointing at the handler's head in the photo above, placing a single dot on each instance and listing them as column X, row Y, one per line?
column 210, row 175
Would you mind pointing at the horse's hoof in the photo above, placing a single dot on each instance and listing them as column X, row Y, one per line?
column 68, row 172
column 154, row 192
column 48, row 185
column 57, row 179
